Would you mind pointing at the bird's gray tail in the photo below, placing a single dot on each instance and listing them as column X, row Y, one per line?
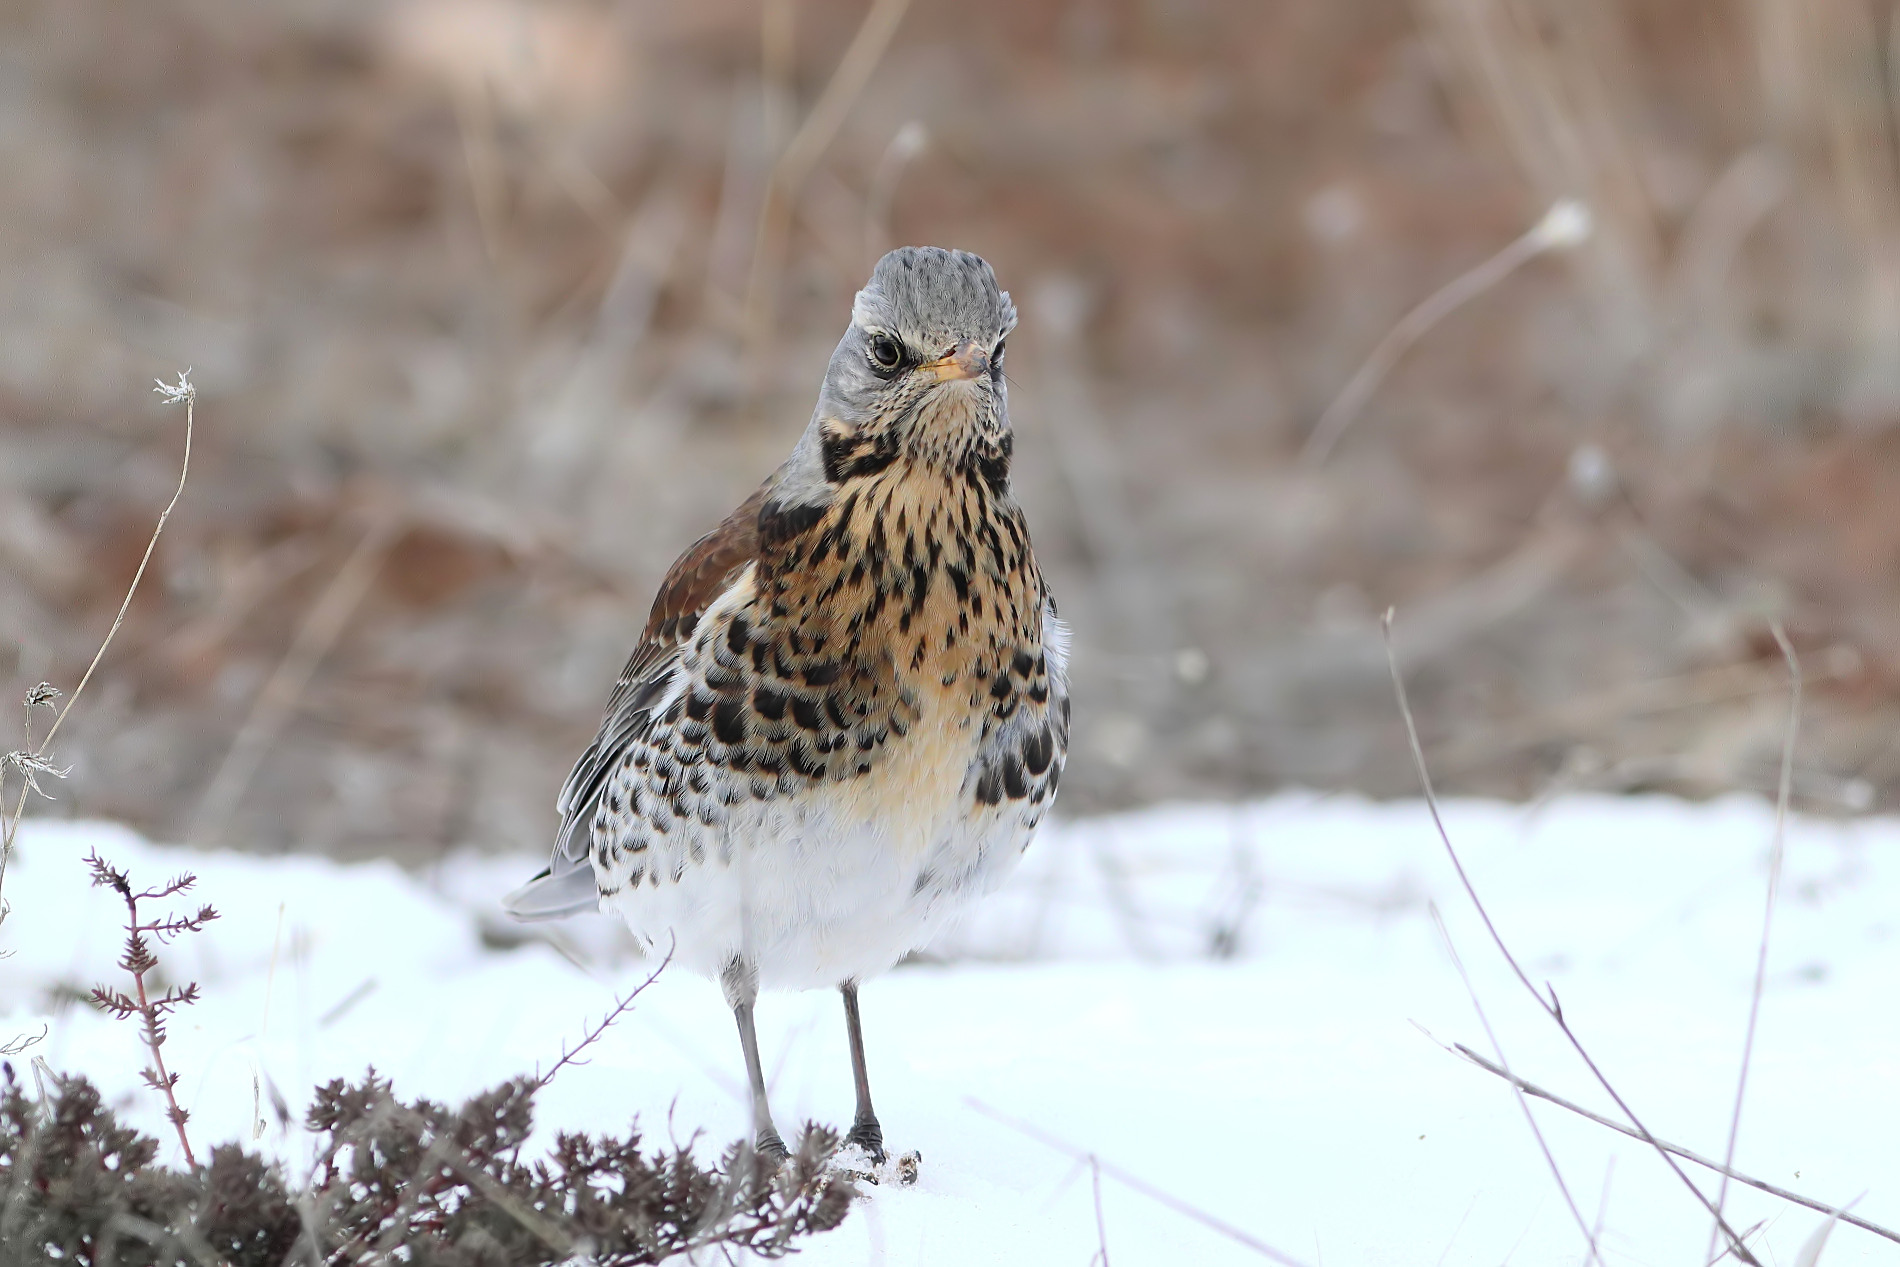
column 551, row 896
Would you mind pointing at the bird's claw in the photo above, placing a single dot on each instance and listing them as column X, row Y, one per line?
column 856, row 1162
column 868, row 1136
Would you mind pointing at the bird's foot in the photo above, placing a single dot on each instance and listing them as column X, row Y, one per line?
column 869, row 1136
column 770, row 1147
column 857, row 1163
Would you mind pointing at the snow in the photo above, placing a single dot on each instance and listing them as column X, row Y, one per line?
column 1230, row 1004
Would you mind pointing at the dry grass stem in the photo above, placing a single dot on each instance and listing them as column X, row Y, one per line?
column 1601, row 710
column 1566, row 224
column 1139, row 1184
column 1543, row 1145
column 1603, row 1200
column 139, row 961
column 907, row 143
column 1761, row 1185
column 20, row 1042
column 1775, row 856
column 275, row 703
column 1101, row 1225
column 800, row 156
column 184, row 392
column 571, row 1057
column 1550, row 1004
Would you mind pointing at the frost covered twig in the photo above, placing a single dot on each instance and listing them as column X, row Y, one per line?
column 1547, row 997
column 1139, row 1184
column 1775, row 855
column 151, row 1009
column 30, row 766
column 1761, row 1185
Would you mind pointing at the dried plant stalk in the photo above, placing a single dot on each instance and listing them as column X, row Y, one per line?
column 34, row 760
column 138, row 960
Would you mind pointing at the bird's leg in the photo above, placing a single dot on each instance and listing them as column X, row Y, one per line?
column 742, row 989
column 865, row 1131
column 765, row 1136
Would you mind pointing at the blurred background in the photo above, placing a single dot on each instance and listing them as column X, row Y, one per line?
column 496, row 305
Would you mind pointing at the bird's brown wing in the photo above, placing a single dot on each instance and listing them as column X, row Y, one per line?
column 697, row 578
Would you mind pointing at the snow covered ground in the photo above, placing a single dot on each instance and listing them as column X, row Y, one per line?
column 1230, row 1003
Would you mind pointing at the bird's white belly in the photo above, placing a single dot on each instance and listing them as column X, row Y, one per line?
column 814, row 890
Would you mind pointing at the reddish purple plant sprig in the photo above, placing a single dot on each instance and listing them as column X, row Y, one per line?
column 138, row 960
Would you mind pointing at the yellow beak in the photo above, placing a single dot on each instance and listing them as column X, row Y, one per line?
column 967, row 362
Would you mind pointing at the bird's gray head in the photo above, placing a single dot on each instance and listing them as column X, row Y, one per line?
column 919, row 376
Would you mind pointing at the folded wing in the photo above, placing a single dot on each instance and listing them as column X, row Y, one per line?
column 696, row 579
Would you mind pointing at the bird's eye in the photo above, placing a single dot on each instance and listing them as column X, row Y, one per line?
column 884, row 352
column 996, row 357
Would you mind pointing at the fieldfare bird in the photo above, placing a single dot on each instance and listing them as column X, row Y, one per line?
column 849, row 709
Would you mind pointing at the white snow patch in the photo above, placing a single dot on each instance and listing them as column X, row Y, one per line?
column 1218, row 999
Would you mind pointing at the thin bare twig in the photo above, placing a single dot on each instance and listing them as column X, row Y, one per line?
column 801, row 155
column 906, row 144
column 569, row 1057
column 1101, row 1226
column 1603, row 1199
column 321, row 627
column 21, row 1042
column 1550, row 1004
column 443, row 1149
column 1761, row 1185
column 1139, row 1184
column 1566, row 224
column 1543, row 1145
column 184, row 392
column 1775, row 856
column 138, row 961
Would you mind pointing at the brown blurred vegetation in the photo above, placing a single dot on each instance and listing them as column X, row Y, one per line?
column 484, row 336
